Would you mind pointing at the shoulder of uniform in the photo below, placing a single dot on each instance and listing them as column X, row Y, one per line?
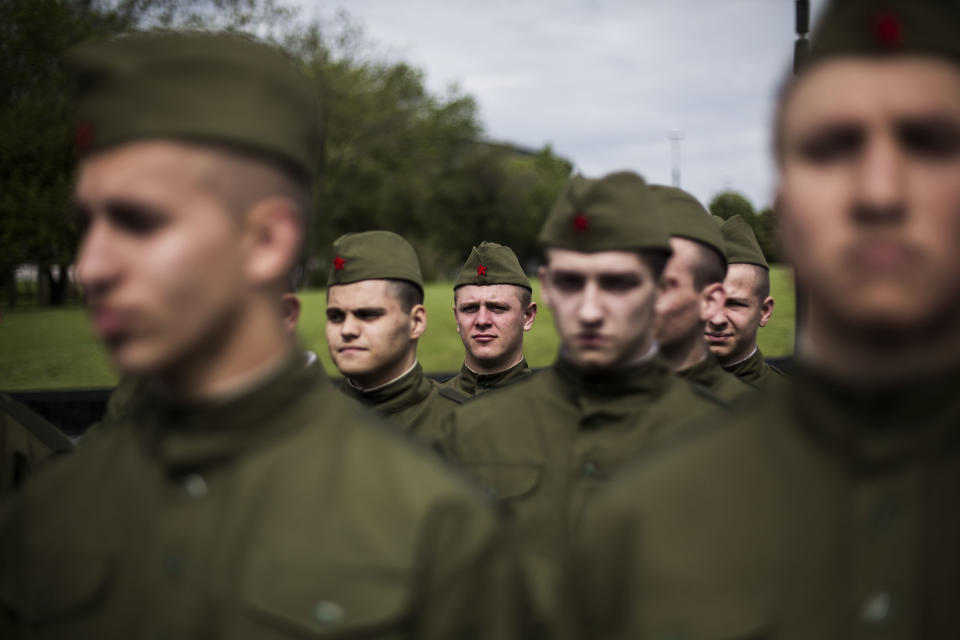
column 36, row 425
column 452, row 393
column 706, row 394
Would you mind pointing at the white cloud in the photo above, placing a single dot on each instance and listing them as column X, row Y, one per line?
column 603, row 81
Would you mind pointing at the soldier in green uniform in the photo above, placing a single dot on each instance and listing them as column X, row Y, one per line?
column 543, row 446
column 829, row 510
column 375, row 316
column 242, row 496
column 692, row 292
column 732, row 332
column 493, row 306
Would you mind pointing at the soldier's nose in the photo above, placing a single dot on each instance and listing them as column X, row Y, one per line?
column 98, row 266
column 880, row 183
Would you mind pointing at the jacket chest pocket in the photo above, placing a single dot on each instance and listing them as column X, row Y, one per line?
column 56, row 588
column 335, row 601
column 506, row 482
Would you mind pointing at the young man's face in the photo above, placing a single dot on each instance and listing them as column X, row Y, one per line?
column 602, row 305
column 679, row 308
column 870, row 191
column 731, row 333
column 161, row 258
column 491, row 320
column 370, row 337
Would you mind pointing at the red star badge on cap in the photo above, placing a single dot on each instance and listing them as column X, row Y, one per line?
column 338, row 263
column 580, row 223
column 83, row 137
column 888, row 30
column 481, row 270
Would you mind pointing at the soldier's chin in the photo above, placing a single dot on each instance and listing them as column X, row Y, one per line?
column 131, row 357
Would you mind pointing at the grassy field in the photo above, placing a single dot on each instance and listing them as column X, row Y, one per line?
column 42, row 348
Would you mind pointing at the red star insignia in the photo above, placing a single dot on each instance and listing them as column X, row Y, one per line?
column 481, row 270
column 83, row 137
column 580, row 223
column 888, row 30
column 338, row 263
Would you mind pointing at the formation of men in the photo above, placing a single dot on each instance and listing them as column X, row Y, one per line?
column 659, row 480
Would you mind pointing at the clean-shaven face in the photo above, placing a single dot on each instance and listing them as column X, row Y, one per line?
column 679, row 304
column 732, row 332
column 368, row 332
column 602, row 304
column 491, row 321
column 160, row 258
column 870, row 191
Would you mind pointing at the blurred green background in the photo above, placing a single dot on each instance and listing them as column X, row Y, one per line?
column 54, row 348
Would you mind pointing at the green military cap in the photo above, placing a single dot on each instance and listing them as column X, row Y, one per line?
column 883, row 27
column 221, row 89
column 612, row 213
column 374, row 255
column 741, row 241
column 492, row 263
column 685, row 217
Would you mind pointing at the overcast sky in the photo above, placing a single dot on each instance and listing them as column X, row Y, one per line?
column 605, row 81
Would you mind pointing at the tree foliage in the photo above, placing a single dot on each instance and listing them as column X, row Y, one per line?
column 394, row 155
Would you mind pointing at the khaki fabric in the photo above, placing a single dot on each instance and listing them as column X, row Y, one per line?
column 544, row 446
column 492, row 263
column 27, row 443
column 826, row 511
column 684, row 217
column 224, row 89
column 374, row 255
column 886, row 27
column 756, row 372
column 285, row 513
column 741, row 242
column 709, row 374
column 472, row 383
column 414, row 402
column 614, row 213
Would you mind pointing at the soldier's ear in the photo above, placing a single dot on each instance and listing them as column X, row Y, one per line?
column 418, row 321
column 271, row 240
column 766, row 310
column 529, row 315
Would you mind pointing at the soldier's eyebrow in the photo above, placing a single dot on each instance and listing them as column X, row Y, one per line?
column 934, row 136
column 135, row 217
column 831, row 141
column 738, row 301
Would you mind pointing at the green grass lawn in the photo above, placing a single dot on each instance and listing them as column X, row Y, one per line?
column 42, row 348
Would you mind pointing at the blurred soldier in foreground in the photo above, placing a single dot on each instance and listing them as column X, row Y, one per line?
column 236, row 499
column 27, row 442
column 375, row 316
column 692, row 293
column 830, row 511
column 493, row 306
column 544, row 445
column 732, row 331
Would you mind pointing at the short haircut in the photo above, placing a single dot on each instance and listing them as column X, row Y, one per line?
column 762, row 285
column 407, row 294
column 656, row 260
column 709, row 268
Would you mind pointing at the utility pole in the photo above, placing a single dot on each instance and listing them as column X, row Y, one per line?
column 675, row 137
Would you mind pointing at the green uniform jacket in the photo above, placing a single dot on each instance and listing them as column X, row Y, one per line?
column 709, row 374
column 472, row 383
column 543, row 446
column 27, row 442
column 413, row 401
column 288, row 512
column 756, row 372
column 824, row 512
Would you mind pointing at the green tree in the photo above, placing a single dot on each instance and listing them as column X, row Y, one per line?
column 727, row 204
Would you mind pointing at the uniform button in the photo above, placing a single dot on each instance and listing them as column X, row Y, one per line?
column 590, row 469
column 174, row 565
column 195, row 486
column 877, row 608
column 328, row 613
